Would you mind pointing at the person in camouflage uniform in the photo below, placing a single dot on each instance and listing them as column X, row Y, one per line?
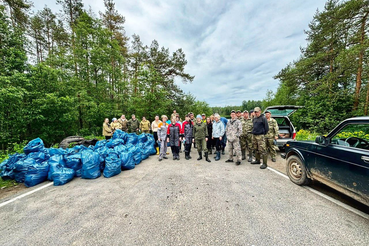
column 233, row 132
column 200, row 137
column 123, row 121
column 247, row 128
column 145, row 125
column 243, row 137
column 271, row 136
column 260, row 128
column 134, row 125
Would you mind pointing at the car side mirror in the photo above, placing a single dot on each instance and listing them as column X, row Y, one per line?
column 321, row 140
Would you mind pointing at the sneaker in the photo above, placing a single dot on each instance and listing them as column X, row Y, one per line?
column 229, row 161
column 160, row 159
column 164, row 157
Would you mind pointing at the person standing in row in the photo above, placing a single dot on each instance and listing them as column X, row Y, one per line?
column 203, row 118
column 134, row 124
column 224, row 138
column 145, row 125
column 260, row 128
column 179, row 122
column 174, row 114
column 233, row 131
column 243, row 137
column 271, row 136
column 174, row 132
column 201, row 136
column 123, row 121
column 162, row 137
column 187, row 127
column 154, row 129
column 248, row 129
column 217, row 134
column 115, row 125
column 107, row 131
column 209, row 143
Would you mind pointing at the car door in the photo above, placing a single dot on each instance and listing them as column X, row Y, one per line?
column 344, row 163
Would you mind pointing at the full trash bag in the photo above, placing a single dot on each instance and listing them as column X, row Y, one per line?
column 142, row 138
column 131, row 138
column 36, row 174
column 119, row 134
column 54, row 151
column 100, row 144
column 137, row 155
column 36, row 145
column 114, row 142
column 56, row 162
column 21, row 168
column 119, row 149
column 73, row 161
column 63, row 176
column 7, row 167
column 112, row 165
column 127, row 161
column 90, row 165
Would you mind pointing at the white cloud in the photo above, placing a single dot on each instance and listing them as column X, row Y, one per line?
column 234, row 48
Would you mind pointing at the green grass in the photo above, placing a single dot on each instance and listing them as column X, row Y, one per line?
column 7, row 183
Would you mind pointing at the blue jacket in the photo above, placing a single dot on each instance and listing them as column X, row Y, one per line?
column 218, row 129
column 224, row 120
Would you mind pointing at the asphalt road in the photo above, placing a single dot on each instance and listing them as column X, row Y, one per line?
column 180, row 203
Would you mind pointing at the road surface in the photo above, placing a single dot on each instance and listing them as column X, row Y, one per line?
column 180, row 203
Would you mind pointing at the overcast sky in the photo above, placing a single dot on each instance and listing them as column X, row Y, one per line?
column 233, row 48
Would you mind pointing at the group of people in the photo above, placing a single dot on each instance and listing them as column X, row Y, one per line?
column 251, row 132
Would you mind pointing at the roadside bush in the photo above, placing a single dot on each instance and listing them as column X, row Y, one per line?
column 358, row 134
column 306, row 135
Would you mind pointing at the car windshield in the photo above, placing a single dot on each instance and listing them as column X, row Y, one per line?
column 282, row 121
column 353, row 135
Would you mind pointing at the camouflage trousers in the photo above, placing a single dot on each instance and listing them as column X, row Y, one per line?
column 249, row 142
column 270, row 147
column 201, row 145
column 258, row 143
column 243, row 142
column 234, row 146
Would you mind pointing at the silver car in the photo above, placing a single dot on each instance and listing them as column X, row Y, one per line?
column 287, row 131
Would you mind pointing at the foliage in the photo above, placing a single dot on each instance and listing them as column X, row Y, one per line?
column 358, row 134
column 7, row 183
column 306, row 135
column 62, row 74
column 331, row 76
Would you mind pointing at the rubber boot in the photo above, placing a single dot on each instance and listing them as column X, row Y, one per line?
column 243, row 154
column 223, row 152
column 257, row 159
column 217, row 158
column 210, row 151
column 157, row 151
column 186, row 156
column 250, row 157
column 200, row 156
column 207, row 157
column 265, row 162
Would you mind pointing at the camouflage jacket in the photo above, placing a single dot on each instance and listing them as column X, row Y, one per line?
column 273, row 129
column 233, row 129
column 247, row 126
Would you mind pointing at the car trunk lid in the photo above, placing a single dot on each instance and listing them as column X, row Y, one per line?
column 283, row 110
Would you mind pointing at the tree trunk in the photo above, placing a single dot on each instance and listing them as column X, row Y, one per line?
column 360, row 68
column 367, row 99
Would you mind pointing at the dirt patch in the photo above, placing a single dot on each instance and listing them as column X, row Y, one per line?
column 6, row 192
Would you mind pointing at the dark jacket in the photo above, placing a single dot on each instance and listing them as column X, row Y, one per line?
column 188, row 131
column 210, row 129
column 260, row 125
column 173, row 133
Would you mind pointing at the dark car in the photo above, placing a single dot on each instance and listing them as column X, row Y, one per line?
column 281, row 114
column 339, row 160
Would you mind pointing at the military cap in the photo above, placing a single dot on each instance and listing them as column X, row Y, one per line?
column 203, row 115
column 268, row 112
column 251, row 111
column 245, row 111
column 233, row 111
column 257, row 109
column 238, row 111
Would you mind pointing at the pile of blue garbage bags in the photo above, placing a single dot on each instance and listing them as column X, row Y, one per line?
column 37, row 164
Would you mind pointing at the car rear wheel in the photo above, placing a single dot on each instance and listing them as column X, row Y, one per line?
column 296, row 170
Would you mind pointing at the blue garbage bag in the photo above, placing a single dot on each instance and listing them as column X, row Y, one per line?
column 119, row 134
column 114, row 142
column 137, row 155
column 90, row 165
column 54, row 151
column 7, row 167
column 119, row 149
column 21, row 168
column 36, row 174
column 127, row 161
column 145, row 154
column 100, row 144
column 150, row 147
column 112, row 165
column 56, row 162
column 63, row 176
column 132, row 138
column 142, row 138
column 36, row 145
column 38, row 156
column 73, row 161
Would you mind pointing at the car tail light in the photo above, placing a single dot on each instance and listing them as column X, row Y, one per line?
column 294, row 135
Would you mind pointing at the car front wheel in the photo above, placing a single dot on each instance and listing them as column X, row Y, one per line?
column 296, row 170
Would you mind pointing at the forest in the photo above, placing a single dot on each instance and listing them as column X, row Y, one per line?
column 62, row 73
column 330, row 78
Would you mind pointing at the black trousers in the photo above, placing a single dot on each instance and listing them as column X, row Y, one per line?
column 218, row 144
column 209, row 143
column 156, row 139
column 188, row 148
column 107, row 137
column 175, row 150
